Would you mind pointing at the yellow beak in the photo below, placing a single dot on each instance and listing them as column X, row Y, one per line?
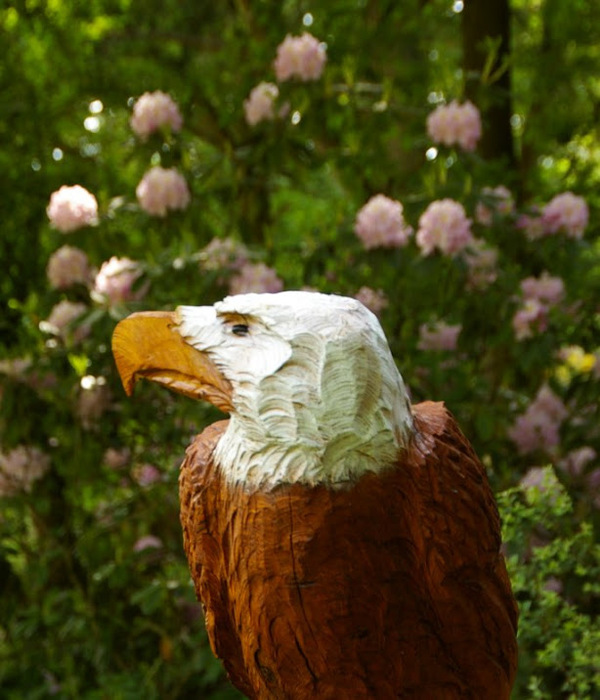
column 147, row 345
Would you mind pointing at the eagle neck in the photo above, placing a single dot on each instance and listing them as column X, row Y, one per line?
column 287, row 433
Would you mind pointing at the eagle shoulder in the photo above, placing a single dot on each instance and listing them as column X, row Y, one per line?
column 464, row 567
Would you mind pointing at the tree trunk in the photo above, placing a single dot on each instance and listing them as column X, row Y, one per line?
column 482, row 20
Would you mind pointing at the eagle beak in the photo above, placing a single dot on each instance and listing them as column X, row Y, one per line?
column 147, row 345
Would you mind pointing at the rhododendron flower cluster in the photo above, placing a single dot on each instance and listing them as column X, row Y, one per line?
column 21, row 468
column 302, row 57
column 531, row 317
column 547, row 289
column 61, row 318
column 115, row 280
column 542, row 479
column 574, row 463
column 455, row 124
column 439, row 336
column 223, row 254
column 375, row 300
column 255, row 277
column 566, row 213
column 380, row 223
column 146, row 474
column 162, row 189
column 68, row 266
column 539, row 295
column 482, row 262
column 72, row 208
column 499, row 200
column 532, row 225
column 153, row 111
column 538, row 428
column 444, row 225
column 260, row 104
column 147, row 542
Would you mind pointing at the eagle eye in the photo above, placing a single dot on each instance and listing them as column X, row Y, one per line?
column 240, row 329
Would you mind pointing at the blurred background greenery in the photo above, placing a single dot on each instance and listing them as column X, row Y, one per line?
column 95, row 596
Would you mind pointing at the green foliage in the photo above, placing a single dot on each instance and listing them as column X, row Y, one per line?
column 554, row 563
column 85, row 612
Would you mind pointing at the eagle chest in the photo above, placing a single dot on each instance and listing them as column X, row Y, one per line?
column 304, row 584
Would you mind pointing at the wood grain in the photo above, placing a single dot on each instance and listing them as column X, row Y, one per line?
column 392, row 587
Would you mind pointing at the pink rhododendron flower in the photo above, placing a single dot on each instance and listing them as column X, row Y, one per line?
column 538, row 428
column 534, row 478
column 223, row 254
column 534, row 432
column 546, row 289
column 532, row 226
column 438, row 336
column 482, row 262
column 500, row 202
column 539, row 295
column 444, row 225
column 147, row 542
column 575, row 462
column 260, row 105
column 530, row 318
column 255, row 277
column 544, row 480
column 21, row 468
column 146, row 474
column 566, row 213
column 62, row 317
column 548, row 402
column 375, row 300
column 68, row 266
column 301, row 57
column 455, row 124
column 161, row 189
column 152, row 111
column 114, row 282
column 380, row 224
column 71, row 208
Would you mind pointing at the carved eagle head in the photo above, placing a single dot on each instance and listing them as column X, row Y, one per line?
column 308, row 379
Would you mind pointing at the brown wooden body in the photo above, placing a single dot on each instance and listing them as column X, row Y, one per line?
column 393, row 587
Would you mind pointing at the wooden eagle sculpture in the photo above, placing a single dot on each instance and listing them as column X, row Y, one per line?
column 344, row 544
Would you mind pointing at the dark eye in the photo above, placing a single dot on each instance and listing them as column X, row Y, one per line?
column 240, row 329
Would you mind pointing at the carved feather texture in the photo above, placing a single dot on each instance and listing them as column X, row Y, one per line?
column 317, row 396
column 391, row 587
